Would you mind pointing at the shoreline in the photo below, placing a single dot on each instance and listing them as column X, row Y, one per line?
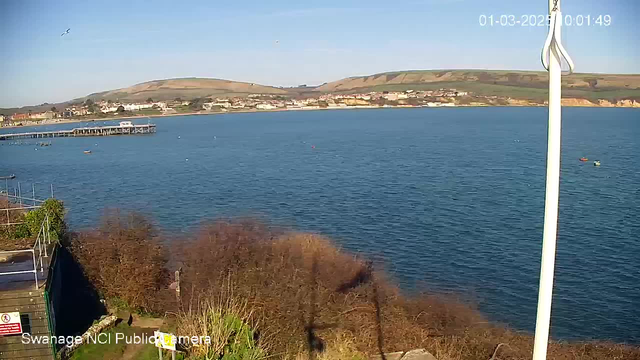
column 71, row 121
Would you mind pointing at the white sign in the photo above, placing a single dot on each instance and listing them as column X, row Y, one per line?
column 165, row 341
column 10, row 324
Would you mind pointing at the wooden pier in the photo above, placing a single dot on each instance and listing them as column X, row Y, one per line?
column 85, row 131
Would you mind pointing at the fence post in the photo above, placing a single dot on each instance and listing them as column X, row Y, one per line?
column 35, row 270
column 48, row 231
column 177, row 276
column 39, row 241
column 46, row 234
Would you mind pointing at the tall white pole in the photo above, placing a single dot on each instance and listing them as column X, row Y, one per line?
column 547, row 265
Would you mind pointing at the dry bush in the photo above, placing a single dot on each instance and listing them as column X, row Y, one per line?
column 297, row 300
column 124, row 259
column 304, row 291
column 339, row 345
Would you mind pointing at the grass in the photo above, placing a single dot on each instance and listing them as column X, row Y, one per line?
column 610, row 95
column 151, row 353
column 476, row 88
column 227, row 321
column 98, row 351
column 113, row 350
column 149, row 112
column 185, row 109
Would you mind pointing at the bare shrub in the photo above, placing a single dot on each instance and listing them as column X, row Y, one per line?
column 124, row 259
column 307, row 293
column 302, row 294
column 300, row 302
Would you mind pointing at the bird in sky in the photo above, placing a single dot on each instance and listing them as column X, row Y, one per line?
column 66, row 32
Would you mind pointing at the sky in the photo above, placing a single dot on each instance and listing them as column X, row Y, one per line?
column 118, row 43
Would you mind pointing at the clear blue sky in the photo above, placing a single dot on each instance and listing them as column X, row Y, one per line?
column 119, row 43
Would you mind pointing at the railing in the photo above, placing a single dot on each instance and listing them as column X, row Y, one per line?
column 22, row 205
column 19, row 199
column 34, row 271
column 43, row 240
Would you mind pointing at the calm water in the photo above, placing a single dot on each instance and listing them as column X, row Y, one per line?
column 450, row 198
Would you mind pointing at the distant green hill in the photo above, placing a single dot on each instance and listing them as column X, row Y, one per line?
column 525, row 85
column 529, row 85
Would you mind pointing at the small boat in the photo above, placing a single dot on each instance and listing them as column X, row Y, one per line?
column 12, row 176
column 596, row 163
column 87, row 151
column 584, row 159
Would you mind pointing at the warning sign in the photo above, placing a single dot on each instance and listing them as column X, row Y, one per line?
column 10, row 324
column 165, row 341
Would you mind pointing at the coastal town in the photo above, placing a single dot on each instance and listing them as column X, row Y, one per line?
column 89, row 109
column 108, row 109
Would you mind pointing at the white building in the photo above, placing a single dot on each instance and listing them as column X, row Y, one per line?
column 265, row 107
column 136, row 107
column 109, row 108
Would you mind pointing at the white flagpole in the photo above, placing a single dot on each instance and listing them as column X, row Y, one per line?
column 554, row 50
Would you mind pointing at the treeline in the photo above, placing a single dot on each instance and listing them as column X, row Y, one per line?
column 264, row 292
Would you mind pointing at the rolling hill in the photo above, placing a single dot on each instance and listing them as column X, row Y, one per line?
column 525, row 85
column 186, row 88
column 516, row 84
column 168, row 89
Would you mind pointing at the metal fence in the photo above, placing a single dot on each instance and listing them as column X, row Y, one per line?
column 14, row 207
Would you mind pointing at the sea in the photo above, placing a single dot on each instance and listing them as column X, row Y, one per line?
column 447, row 200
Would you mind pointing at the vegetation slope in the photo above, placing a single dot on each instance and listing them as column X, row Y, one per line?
column 525, row 85
column 529, row 85
column 263, row 293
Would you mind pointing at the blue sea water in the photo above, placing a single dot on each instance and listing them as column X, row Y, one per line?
column 451, row 199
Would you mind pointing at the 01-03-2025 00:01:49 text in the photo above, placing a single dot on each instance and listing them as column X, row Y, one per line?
column 509, row 20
